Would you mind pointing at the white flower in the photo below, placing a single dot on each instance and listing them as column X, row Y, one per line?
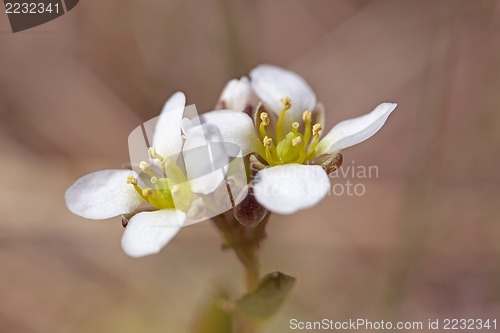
column 238, row 95
column 108, row 193
column 286, row 132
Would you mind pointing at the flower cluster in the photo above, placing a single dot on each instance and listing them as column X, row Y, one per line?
column 272, row 117
column 285, row 133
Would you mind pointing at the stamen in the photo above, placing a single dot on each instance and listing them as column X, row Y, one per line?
column 287, row 104
column 153, row 154
column 147, row 192
column 131, row 180
column 268, row 144
column 302, row 156
column 296, row 141
column 255, row 164
column 295, row 128
column 307, row 117
column 145, row 167
column 264, row 117
column 317, row 128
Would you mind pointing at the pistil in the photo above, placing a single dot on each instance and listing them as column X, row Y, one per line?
column 295, row 128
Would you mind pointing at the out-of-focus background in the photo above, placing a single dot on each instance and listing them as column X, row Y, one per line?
column 422, row 242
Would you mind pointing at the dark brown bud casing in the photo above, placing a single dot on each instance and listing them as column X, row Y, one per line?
column 249, row 212
column 330, row 163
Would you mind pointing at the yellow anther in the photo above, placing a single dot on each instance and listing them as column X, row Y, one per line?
column 264, row 117
column 153, row 154
column 296, row 141
column 307, row 116
column 317, row 128
column 268, row 142
column 316, row 131
column 147, row 192
column 270, row 150
column 287, row 103
column 133, row 181
column 144, row 166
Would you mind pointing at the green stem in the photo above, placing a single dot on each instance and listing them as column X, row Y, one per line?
column 244, row 241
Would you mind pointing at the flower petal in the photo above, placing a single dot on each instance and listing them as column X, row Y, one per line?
column 237, row 95
column 288, row 188
column 234, row 127
column 353, row 131
column 103, row 194
column 148, row 232
column 167, row 137
column 204, row 158
column 273, row 83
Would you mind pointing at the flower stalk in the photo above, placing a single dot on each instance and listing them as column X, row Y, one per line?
column 245, row 242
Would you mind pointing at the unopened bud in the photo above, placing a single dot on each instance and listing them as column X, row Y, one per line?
column 249, row 212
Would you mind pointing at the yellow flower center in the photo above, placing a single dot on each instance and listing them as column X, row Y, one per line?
column 296, row 146
column 162, row 192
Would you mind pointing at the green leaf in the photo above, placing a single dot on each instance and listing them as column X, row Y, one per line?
column 267, row 298
column 213, row 319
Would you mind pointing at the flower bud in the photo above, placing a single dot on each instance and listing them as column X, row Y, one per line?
column 237, row 95
column 249, row 212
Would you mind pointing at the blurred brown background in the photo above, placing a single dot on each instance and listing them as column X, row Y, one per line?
column 423, row 242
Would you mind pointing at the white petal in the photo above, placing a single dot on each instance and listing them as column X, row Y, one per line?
column 103, row 194
column 234, row 127
column 237, row 95
column 288, row 188
column 148, row 232
column 167, row 135
column 273, row 83
column 205, row 158
column 353, row 131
